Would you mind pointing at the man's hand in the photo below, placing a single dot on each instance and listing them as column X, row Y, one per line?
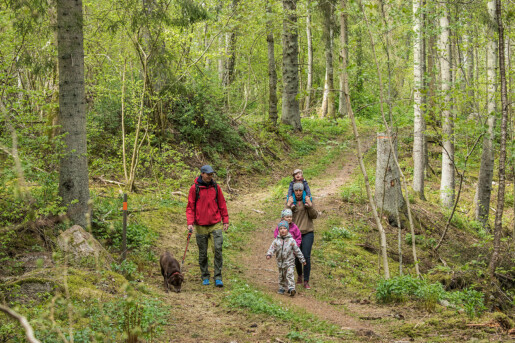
column 190, row 228
column 268, row 257
column 226, row 227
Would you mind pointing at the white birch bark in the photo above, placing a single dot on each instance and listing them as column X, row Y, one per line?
column 447, row 181
column 419, row 122
column 486, row 170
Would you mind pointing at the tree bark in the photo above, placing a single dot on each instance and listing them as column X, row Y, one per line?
column 73, row 173
column 494, row 261
column 309, row 81
column 419, row 122
column 447, row 181
column 290, row 105
column 486, row 170
column 388, row 191
column 344, row 42
column 327, row 109
column 230, row 51
column 272, row 73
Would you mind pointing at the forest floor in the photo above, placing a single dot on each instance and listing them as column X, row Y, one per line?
column 243, row 311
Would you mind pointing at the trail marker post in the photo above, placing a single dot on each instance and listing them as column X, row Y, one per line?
column 124, row 235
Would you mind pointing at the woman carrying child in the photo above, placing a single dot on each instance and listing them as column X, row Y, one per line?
column 303, row 214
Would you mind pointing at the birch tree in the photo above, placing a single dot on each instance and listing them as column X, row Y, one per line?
column 486, row 170
column 447, row 181
column 327, row 108
column 419, row 122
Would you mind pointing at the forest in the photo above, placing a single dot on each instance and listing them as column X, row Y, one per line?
column 399, row 114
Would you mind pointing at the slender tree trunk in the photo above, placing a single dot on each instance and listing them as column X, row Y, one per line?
column 327, row 108
column 419, row 122
column 272, row 73
column 486, row 170
column 447, row 182
column 344, row 42
column 73, row 174
column 364, row 171
column 230, row 51
column 290, row 105
column 309, row 82
column 502, row 151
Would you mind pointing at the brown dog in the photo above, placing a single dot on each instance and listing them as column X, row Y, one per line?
column 171, row 271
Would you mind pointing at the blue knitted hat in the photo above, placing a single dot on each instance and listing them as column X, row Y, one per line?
column 284, row 223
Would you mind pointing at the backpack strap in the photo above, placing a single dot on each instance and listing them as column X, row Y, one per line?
column 197, row 195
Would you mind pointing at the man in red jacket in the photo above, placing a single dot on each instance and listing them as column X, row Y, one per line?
column 207, row 211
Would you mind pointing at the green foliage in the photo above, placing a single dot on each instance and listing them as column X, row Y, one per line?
column 243, row 296
column 354, row 192
column 403, row 288
column 336, row 233
column 127, row 268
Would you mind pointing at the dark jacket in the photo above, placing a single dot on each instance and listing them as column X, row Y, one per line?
column 206, row 211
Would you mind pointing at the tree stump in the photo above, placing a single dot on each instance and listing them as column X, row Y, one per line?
column 388, row 192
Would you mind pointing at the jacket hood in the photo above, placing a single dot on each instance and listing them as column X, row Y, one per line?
column 288, row 235
column 200, row 182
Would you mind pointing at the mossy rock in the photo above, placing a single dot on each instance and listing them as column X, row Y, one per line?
column 83, row 249
column 29, row 291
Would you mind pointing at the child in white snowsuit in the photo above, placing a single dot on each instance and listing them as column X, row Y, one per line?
column 285, row 249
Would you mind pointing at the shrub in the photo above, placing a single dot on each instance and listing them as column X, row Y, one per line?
column 336, row 233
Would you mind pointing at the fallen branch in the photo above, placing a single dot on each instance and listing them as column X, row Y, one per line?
column 100, row 178
column 29, row 332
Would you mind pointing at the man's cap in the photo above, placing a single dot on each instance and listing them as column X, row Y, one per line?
column 206, row 169
column 296, row 171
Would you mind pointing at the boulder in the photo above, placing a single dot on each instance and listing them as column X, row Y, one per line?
column 81, row 246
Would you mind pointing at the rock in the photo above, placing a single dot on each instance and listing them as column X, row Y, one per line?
column 82, row 246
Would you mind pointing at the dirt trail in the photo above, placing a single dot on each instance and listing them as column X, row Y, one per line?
column 264, row 273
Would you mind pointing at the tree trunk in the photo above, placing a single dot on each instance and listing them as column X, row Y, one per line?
column 73, row 173
column 309, row 82
column 230, row 51
column 447, row 182
column 290, row 105
column 327, row 109
column 344, row 42
column 272, row 73
column 419, row 122
column 486, row 170
column 388, row 191
column 371, row 201
column 502, row 151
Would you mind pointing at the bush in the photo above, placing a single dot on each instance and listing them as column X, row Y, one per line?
column 336, row 233
column 402, row 288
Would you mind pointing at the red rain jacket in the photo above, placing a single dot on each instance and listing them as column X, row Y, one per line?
column 208, row 212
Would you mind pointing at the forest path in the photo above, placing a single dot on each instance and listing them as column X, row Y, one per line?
column 262, row 273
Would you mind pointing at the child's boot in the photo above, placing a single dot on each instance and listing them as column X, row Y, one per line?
column 292, row 292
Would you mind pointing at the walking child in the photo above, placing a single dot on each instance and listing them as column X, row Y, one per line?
column 298, row 178
column 285, row 249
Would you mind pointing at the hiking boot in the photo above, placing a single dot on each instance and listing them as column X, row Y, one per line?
column 292, row 292
column 299, row 279
column 281, row 291
column 219, row 283
column 306, row 285
column 205, row 282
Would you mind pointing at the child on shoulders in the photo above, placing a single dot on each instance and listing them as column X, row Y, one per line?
column 285, row 249
column 298, row 178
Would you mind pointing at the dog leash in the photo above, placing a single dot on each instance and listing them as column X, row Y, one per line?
column 187, row 243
